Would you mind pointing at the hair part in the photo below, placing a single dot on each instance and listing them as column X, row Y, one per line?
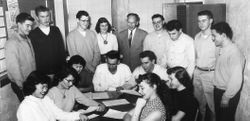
column 22, row 17
column 136, row 17
column 223, row 27
column 99, row 22
column 41, row 9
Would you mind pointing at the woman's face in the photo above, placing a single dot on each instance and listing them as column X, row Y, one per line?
column 67, row 82
column 77, row 67
column 104, row 27
column 146, row 90
column 174, row 82
column 41, row 90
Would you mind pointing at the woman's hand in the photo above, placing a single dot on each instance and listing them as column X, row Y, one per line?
column 140, row 103
column 83, row 117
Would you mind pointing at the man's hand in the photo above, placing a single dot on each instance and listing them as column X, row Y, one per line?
column 101, row 107
column 83, row 117
column 224, row 102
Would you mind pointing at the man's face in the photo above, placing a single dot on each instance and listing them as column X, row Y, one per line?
column 112, row 64
column 44, row 18
column 83, row 22
column 147, row 64
column 217, row 38
column 157, row 23
column 174, row 34
column 25, row 27
column 132, row 22
column 204, row 22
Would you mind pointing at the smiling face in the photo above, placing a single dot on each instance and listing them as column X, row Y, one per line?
column 217, row 38
column 44, row 18
column 157, row 24
column 40, row 91
column 104, row 27
column 132, row 22
column 204, row 22
column 83, row 22
column 146, row 90
column 25, row 27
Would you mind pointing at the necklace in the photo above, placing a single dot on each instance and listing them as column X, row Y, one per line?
column 104, row 39
column 62, row 92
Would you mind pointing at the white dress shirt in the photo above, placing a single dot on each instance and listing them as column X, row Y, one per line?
column 103, row 80
column 181, row 53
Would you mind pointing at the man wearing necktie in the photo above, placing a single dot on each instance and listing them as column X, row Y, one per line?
column 130, row 41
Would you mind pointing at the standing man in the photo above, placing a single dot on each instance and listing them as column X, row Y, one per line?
column 180, row 51
column 205, row 63
column 228, row 73
column 48, row 44
column 20, row 60
column 131, row 40
column 82, row 41
column 158, row 40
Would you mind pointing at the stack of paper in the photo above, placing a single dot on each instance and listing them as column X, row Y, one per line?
column 97, row 95
column 115, row 114
column 117, row 102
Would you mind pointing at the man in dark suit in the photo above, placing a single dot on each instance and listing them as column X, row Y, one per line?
column 131, row 41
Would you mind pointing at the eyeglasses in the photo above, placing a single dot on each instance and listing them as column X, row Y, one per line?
column 86, row 20
column 70, row 81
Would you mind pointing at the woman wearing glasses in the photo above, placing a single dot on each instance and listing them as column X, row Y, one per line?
column 64, row 93
column 38, row 107
column 106, row 40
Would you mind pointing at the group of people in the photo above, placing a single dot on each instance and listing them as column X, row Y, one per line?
column 179, row 77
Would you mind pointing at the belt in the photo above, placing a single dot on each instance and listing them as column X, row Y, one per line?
column 204, row 69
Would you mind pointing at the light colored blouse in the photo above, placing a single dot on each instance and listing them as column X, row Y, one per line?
column 110, row 44
column 36, row 109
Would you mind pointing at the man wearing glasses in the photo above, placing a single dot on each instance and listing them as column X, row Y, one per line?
column 157, row 40
column 82, row 41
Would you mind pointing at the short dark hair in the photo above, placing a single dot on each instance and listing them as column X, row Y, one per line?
column 41, row 9
column 223, row 27
column 34, row 78
column 206, row 13
column 113, row 54
column 157, row 16
column 77, row 59
column 182, row 76
column 63, row 73
column 147, row 53
column 173, row 24
column 82, row 13
column 22, row 17
column 102, row 20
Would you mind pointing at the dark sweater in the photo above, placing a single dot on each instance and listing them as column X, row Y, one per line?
column 49, row 50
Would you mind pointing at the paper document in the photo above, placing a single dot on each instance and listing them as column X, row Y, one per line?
column 92, row 116
column 132, row 92
column 97, row 95
column 115, row 114
column 110, row 103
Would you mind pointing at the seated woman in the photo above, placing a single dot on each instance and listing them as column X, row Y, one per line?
column 78, row 63
column 65, row 94
column 155, row 102
column 185, row 102
column 106, row 40
column 38, row 107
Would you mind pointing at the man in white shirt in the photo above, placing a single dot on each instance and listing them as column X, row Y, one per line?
column 148, row 59
column 111, row 75
column 205, row 51
column 157, row 40
column 180, row 51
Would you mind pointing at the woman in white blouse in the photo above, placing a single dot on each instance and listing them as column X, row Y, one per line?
column 38, row 107
column 106, row 40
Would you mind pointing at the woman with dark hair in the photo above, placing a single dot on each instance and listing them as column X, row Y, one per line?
column 78, row 63
column 106, row 40
column 64, row 93
column 38, row 107
column 184, row 101
column 154, row 106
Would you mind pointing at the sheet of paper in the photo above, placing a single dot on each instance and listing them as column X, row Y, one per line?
column 92, row 116
column 97, row 95
column 115, row 114
column 116, row 102
column 131, row 92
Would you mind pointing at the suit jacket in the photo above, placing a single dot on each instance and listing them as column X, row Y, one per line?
column 131, row 53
